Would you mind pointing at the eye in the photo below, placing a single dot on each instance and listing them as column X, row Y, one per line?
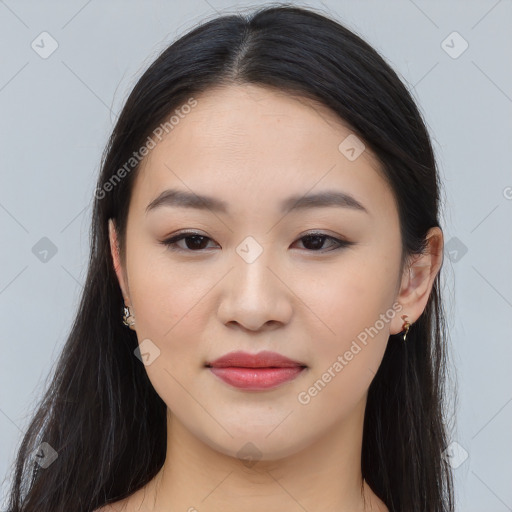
column 316, row 240
column 195, row 242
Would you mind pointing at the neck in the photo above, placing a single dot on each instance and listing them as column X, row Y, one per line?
column 325, row 475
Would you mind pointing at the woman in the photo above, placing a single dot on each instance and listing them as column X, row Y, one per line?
column 261, row 326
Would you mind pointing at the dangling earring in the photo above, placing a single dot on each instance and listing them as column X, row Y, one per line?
column 405, row 326
column 128, row 318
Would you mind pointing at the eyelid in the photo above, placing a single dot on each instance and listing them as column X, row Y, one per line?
column 170, row 242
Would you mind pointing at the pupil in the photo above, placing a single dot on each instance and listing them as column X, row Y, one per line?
column 317, row 238
column 198, row 240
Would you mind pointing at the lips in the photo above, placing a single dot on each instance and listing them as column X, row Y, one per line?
column 255, row 372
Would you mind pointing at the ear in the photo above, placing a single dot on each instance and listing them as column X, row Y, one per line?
column 114, row 250
column 418, row 279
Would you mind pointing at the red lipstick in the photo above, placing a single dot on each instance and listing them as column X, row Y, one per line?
column 261, row 371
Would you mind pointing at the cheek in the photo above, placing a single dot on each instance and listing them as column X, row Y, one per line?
column 338, row 309
column 165, row 294
column 350, row 340
column 170, row 311
column 349, row 310
column 167, row 303
column 350, row 292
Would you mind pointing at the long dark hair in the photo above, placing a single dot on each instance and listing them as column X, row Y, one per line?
column 101, row 413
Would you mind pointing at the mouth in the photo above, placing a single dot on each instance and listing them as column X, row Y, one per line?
column 255, row 372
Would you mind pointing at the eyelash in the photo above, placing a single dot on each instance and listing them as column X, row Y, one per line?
column 170, row 243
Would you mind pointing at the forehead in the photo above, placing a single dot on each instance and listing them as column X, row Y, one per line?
column 251, row 146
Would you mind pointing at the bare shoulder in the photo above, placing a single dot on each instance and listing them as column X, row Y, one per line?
column 131, row 503
column 381, row 506
column 118, row 506
column 376, row 504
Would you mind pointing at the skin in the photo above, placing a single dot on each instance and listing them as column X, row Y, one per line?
column 252, row 147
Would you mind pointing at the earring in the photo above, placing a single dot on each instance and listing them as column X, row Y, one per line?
column 405, row 326
column 128, row 318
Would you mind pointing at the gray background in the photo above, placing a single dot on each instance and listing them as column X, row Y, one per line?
column 56, row 115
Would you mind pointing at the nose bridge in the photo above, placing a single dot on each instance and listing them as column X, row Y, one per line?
column 254, row 296
column 252, row 276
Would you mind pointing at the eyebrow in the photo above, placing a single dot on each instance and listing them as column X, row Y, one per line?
column 182, row 199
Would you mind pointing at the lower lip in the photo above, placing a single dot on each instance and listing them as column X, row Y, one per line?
column 256, row 378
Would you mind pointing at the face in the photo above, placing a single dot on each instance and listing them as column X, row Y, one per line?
column 249, row 278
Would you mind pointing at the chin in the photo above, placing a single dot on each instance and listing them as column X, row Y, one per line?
column 257, row 445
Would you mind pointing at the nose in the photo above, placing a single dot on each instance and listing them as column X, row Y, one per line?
column 256, row 295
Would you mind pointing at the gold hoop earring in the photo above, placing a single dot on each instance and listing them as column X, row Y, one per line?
column 405, row 326
column 128, row 318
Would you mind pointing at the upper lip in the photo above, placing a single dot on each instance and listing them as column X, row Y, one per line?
column 263, row 359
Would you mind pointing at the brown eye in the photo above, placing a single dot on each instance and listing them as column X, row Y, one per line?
column 193, row 242
column 315, row 242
